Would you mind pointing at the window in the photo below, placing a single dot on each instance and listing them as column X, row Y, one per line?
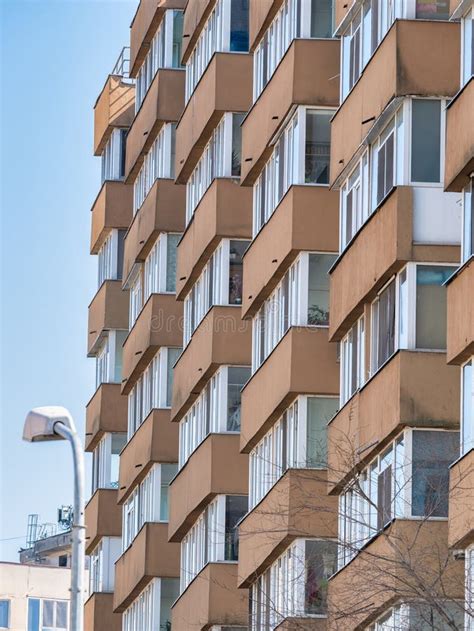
column 383, row 326
column 384, row 164
column 300, row 299
column 105, row 461
column 467, row 46
column 151, row 609
column 102, row 564
column 426, row 140
column 469, row 599
column 216, row 410
column 300, row 156
column 158, row 163
column 110, row 257
column 467, row 408
column 429, row 10
column 420, row 616
column 295, row 585
column 431, row 308
column 113, row 156
column 164, row 52
column 148, row 502
column 297, row 440
column 220, row 158
column 135, row 285
column 109, row 358
column 47, row 615
column 160, row 266
column 153, row 389
column 352, row 365
column 409, row 479
column 4, row 614
column 226, row 30
column 213, row 538
column 296, row 18
column 468, row 221
column 220, row 283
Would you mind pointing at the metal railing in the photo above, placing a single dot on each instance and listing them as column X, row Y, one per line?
column 122, row 65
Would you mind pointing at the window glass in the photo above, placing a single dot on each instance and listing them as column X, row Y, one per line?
column 468, row 221
column 173, row 354
column 432, row 9
column 236, row 378
column 33, row 614
column 235, row 509
column 426, row 618
column 385, row 162
column 317, row 147
column 320, row 564
column 431, row 311
column 118, row 443
column 321, row 18
column 4, row 614
column 433, row 453
column 236, row 143
column 177, row 38
column 171, row 251
column 318, row 288
column 61, row 615
column 168, row 471
column 320, row 411
column 237, row 249
column 384, row 326
column 467, row 421
column 239, row 25
column 169, row 592
column 426, row 140
column 119, row 341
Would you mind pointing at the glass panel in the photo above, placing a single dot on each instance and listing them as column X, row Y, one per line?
column 237, row 249
column 118, row 443
column 119, row 341
column 425, row 618
column 317, row 147
column 169, row 592
column 4, row 613
column 386, row 324
column 239, row 26
column 173, row 354
column 431, row 311
column 426, row 141
column 33, row 614
column 321, row 18
column 432, row 9
column 433, row 453
column 177, row 38
column 318, row 288
column 171, row 251
column 320, row 564
column 61, row 615
column 48, row 613
column 236, row 378
column 235, row 509
column 467, row 420
column 168, row 471
column 320, row 411
column 236, row 143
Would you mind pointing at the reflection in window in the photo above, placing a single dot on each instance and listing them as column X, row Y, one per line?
column 320, row 564
column 432, row 9
column 239, row 26
column 235, row 508
column 426, row 140
column 237, row 377
column 320, row 411
column 318, row 289
column 318, row 143
column 431, row 309
column 236, row 267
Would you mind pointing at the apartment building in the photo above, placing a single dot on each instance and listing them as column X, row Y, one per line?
column 283, row 330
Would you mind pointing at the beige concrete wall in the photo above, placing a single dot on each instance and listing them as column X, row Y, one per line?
column 106, row 412
column 460, row 337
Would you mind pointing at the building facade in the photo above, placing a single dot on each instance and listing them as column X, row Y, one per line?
column 283, row 327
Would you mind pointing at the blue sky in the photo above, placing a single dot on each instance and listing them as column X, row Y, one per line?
column 55, row 56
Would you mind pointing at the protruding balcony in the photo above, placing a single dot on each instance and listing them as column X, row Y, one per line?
column 103, row 517
column 115, row 107
column 162, row 211
column 461, row 502
column 149, row 556
column 225, row 210
column 305, row 220
column 216, row 467
column 459, row 161
column 461, row 315
column 156, row 440
column 226, row 86
column 111, row 209
column 414, row 389
column 159, row 324
column 303, row 362
column 99, row 614
column 222, row 338
column 305, row 76
column 105, row 412
column 107, row 311
column 195, row 16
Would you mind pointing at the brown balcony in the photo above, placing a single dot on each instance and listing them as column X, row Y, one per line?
column 297, row 506
column 225, row 86
column 107, row 311
column 405, row 63
column 224, row 211
column 115, row 107
column 303, row 362
column 144, row 26
column 460, row 337
column 149, row 556
column 461, row 502
column 156, row 440
column 305, row 76
column 413, row 389
column 380, row 249
column 162, row 211
column 103, row 517
column 407, row 554
column 459, row 160
column 111, row 209
column 195, row 16
column 307, row 218
column 163, row 103
column 159, row 324
column 220, row 339
column 106, row 412
column 215, row 467
column 212, row 598
column 99, row 614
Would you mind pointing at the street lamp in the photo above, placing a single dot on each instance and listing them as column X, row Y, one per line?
column 56, row 423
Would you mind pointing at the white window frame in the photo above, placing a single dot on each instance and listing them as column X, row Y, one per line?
column 102, row 463
column 144, row 612
column 467, row 424
column 108, row 257
column 155, row 270
column 469, row 588
column 106, row 369
column 348, row 364
column 102, row 565
column 135, row 285
column 41, row 601
column 467, row 242
column 113, row 155
column 467, row 46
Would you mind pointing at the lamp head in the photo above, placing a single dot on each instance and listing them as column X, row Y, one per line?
column 40, row 422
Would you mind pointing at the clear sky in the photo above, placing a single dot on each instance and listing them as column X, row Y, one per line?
column 55, row 57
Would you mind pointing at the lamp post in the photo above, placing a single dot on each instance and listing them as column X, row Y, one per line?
column 56, row 423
